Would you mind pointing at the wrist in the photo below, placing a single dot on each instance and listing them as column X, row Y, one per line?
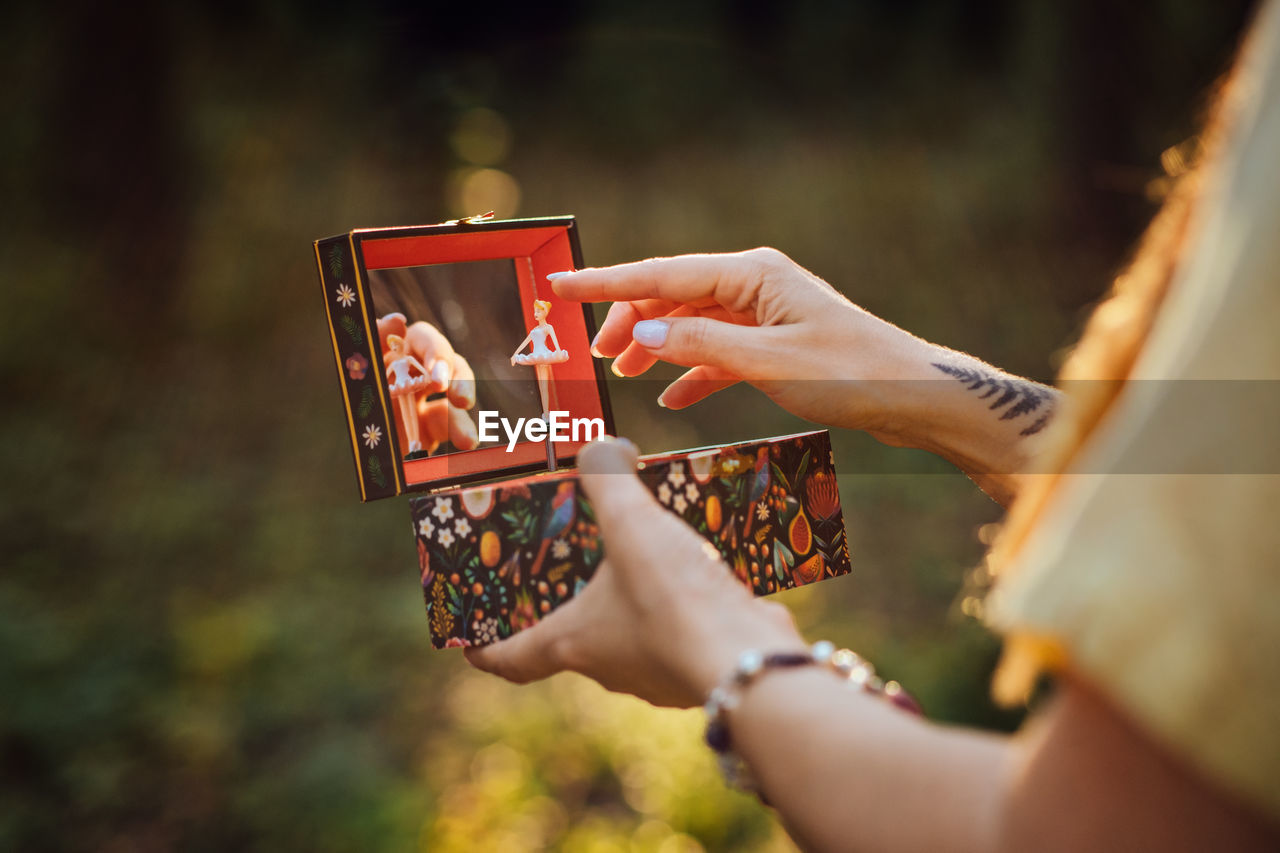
column 752, row 665
column 751, row 624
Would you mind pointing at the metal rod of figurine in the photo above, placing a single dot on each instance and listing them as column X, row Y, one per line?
column 544, row 391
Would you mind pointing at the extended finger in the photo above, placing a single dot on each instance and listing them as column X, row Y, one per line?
column 635, row 360
column 748, row 352
column 462, row 389
column 433, row 422
column 615, row 332
column 731, row 280
column 696, row 384
column 462, row 430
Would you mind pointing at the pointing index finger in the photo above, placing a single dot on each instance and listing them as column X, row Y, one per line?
column 696, row 280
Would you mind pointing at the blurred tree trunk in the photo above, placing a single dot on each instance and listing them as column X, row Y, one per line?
column 116, row 171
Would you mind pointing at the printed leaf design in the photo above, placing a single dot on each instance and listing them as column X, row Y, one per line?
column 335, row 261
column 523, row 523
column 780, row 477
column 366, row 401
column 351, row 328
column 804, row 466
column 375, row 472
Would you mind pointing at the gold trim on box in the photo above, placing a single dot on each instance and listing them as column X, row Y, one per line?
column 396, row 464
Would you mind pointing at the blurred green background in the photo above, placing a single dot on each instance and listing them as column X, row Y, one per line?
column 208, row 643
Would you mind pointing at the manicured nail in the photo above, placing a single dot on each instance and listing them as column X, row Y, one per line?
column 595, row 350
column 662, row 402
column 552, row 276
column 440, row 373
column 650, row 333
column 616, row 371
column 465, row 391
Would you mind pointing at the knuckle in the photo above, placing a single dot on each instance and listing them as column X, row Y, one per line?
column 693, row 334
column 777, row 614
column 768, row 256
column 564, row 654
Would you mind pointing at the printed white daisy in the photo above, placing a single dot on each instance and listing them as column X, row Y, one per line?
column 664, row 493
column 462, row 527
column 445, row 536
column 443, row 510
column 762, row 512
column 676, row 474
column 559, row 549
column 679, row 504
column 691, row 492
column 426, row 528
column 372, row 436
column 346, row 296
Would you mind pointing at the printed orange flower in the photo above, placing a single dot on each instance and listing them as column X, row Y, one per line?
column 822, row 495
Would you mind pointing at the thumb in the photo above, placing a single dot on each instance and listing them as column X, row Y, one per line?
column 692, row 341
column 641, row 539
column 623, row 506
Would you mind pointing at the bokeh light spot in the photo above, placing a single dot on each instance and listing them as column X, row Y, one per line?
column 482, row 137
column 473, row 191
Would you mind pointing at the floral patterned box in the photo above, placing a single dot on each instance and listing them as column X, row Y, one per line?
column 496, row 558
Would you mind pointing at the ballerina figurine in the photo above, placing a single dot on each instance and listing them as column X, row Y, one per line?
column 405, row 387
column 544, row 351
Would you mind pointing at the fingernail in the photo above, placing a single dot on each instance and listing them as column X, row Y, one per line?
column 552, row 276
column 650, row 333
column 662, row 402
column 465, row 389
column 616, row 372
column 594, row 349
column 440, row 373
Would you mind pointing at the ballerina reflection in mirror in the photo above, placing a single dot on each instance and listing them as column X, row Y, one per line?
column 544, row 351
column 405, row 387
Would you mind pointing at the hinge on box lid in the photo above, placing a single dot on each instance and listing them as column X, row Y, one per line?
column 471, row 220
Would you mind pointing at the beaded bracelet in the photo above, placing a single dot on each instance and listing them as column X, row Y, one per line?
column 752, row 664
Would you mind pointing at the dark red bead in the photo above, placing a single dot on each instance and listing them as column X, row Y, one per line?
column 905, row 701
column 717, row 736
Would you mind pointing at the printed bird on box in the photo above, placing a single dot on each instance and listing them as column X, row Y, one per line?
column 559, row 520
column 758, row 487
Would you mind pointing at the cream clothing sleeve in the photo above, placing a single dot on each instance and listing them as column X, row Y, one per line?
column 1155, row 568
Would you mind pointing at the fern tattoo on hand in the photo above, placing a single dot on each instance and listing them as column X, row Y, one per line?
column 1027, row 398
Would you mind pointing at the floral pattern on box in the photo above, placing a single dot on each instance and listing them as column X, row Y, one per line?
column 497, row 558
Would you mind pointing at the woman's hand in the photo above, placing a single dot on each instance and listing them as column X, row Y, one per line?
column 758, row 317
column 753, row 316
column 663, row 618
column 442, row 419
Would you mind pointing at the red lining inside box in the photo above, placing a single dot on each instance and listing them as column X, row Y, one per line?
column 544, row 250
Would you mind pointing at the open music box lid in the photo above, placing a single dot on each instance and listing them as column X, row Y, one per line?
column 466, row 294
